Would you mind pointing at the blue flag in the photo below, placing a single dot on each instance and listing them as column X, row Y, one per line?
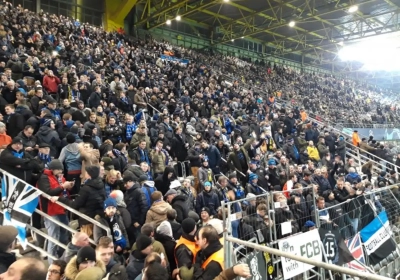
column 19, row 202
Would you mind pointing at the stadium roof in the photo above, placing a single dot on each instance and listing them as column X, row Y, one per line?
column 321, row 26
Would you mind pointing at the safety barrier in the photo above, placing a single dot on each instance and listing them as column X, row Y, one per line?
column 45, row 216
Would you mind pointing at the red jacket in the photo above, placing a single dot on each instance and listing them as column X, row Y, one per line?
column 49, row 184
column 51, row 83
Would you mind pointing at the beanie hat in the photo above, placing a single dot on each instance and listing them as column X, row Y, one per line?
column 46, row 122
column 86, row 253
column 70, row 138
column 188, row 225
column 74, row 129
column 232, row 175
column 206, row 209
column 217, row 224
column 91, row 273
column 309, row 224
column 142, row 242
column 272, row 162
column 143, row 178
column 252, row 176
column 88, row 132
column 193, row 215
column 165, row 228
column 108, row 164
column 110, row 202
column 119, row 197
column 129, row 176
column 8, row 235
column 56, row 164
column 93, row 171
column 207, row 184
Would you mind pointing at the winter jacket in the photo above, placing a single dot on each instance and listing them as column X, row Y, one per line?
column 214, row 157
column 158, row 160
column 49, row 136
column 71, row 271
column 213, row 269
column 190, row 196
column 136, row 204
column 70, row 252
column 178, row 149
column 137, row 137
column 51, row 83
column 322, row 150
column 234, row 162
column 71, row 157
column 114, row 133
column 193, row 156
column 208, row 199
column 135, row 265
column 179, row 204
column 6, row 260
column 50, row 185
column 20, row 167
column 90, row 200
column 157, row 213
column 169, row 245
column 98, row 232
column 205, row 175
column 313, row 153
column 116, row 271
column 15, row 124
column 162, row 182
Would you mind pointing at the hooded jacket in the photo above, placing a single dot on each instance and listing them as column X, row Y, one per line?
column 116, row 270
column 90, row 200
column 51, row 137
column 208, row 199
column 162, row 182
column 71, row 157
column 98, row 232
column 136, row 204
column 71, row 271
column 157, row 213
column 49, row 184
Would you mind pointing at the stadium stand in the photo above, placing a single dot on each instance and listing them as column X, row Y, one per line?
column 152, row 146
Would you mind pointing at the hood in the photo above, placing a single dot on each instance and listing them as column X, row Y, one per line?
column 149, row 184
column 44, row 130
column 180, row 197
column 160, row 208
column 71, row 271
column 168, row 170
column 162, row 238
column 97, row 183
column 72, row 148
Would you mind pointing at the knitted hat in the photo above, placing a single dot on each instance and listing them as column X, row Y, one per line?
column 217, row 224
column 93, row 171
column 207, row 184
column 8, row 235
column 90, row 273
column 71, row 138
column 252, row 176
column 206, row 209
column 86, row 253
column 119, row 197
column 232, row 175
column 129, row 176
column 165, row 228
column 143, row 178
column 46, row 122
column 170, row 192
column 17, row 140
column 74, row 129
column 110, row 202
column 142, row 242
column 188, row 225
column 55, row 164
column 272, row 162
column 193, row 215
column 44, row 145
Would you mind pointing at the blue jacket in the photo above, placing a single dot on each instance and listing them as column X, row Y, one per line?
column 71, row 157
column 209, row 200
column 214, row 157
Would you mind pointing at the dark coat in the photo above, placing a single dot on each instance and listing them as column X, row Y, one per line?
column 178, row 149
column 90, row 200
column 15, row 124
column 169, row 245
column 136, row 204
column 26, row 164
column 6, row 259
column 181, row 207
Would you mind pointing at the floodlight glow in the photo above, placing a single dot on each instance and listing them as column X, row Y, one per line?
column 178, row 18
column 168, row 22
column 242, row 37
column 353, row 9
column 340, row 43
column 226, row 0
column 292, row 23
column 233, row 40
column 378, row 53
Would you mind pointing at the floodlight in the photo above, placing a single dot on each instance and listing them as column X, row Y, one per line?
column 168, row 22
column 292, row 23
column 178, row 18
column 353, row 9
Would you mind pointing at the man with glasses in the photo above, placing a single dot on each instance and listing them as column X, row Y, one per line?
column 56, row 270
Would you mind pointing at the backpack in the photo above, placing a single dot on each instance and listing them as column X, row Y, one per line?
column 148, row 190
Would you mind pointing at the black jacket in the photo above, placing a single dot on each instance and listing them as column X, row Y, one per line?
column 178, row 149
column 136, row 204
column 181, row 207
column 193, row 156
column 176, row 229
column 9, row 163
column 90, row 200
column 169, row 245
column 15, row 124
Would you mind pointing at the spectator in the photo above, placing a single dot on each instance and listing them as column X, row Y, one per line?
column 86, row 258
column 176, row 227
column 207, row 198
column 15, row 122
column 143, row 248
column 26, row 268
column 5, row 139
column 7, row 243
column 56, row 270
column 79, row 240
column 163, row 234
column 105, row 253
column 158, row 210
column 53, row 183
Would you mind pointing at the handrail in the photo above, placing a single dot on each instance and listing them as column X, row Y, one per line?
column 148, row 104
column 66, row 207
column 327, row 266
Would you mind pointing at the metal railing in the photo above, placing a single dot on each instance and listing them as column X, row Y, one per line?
column 324, row 265
column 44, row 215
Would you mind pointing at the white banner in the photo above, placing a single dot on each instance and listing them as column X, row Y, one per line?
column 306, row 245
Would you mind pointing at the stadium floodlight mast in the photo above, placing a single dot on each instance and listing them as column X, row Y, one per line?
column 292, row 23
column 353, row 9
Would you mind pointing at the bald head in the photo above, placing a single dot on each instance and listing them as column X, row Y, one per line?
column 26, row 269
column 80, row 239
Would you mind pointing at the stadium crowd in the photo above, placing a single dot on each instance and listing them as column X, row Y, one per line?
column 100, row 122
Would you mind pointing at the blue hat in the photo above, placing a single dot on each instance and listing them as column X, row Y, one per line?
column 110, row 202
column 252, row 176
column 271, row 162
column 309, row 224
column 207, row 184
